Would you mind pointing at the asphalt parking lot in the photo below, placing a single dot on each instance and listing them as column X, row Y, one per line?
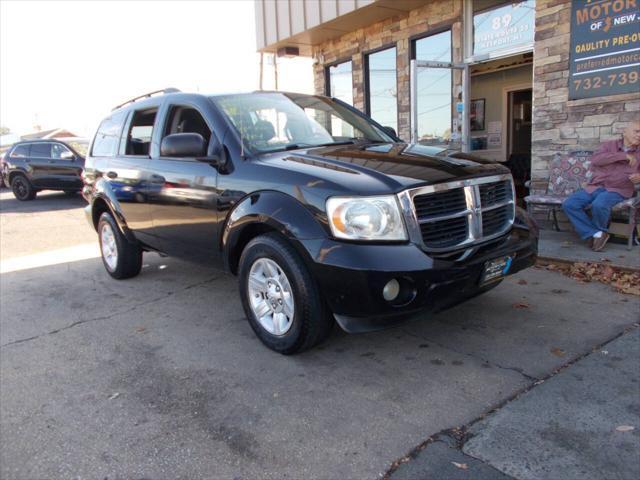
column 160, row 376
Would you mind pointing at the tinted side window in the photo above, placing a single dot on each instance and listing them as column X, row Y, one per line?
column 187, row 120
column 140, row 132
column 41, row 150
column 105, row 144
column 21, row 151
column 57, row 149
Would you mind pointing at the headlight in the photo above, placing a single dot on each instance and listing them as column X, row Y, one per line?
column 366, row 218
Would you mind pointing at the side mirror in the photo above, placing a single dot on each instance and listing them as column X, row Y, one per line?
column 390, row 131
column 183, row 145
column 67, row 155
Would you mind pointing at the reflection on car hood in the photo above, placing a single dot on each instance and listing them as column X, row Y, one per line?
column 397, row 165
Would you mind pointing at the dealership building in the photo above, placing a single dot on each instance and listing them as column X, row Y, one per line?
column 515, row 81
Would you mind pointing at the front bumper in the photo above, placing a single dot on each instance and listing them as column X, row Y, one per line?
column 352, row 277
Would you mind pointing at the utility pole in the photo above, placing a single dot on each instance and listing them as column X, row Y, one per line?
column 261, row 68
column 275, row 69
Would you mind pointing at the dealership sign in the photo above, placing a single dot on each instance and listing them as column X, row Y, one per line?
column 605, row 48
column 507, row 27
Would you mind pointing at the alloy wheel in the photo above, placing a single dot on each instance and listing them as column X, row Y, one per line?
column 271, row 296
column 109, row 247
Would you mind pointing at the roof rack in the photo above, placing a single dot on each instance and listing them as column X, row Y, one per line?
column 147, row 95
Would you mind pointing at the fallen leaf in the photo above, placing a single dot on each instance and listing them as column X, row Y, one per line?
column 558, row 352
column 522, row 281
column 140, row 329
column 463, row 466
column 625, row 428
column 114, row 396
column 520, row 305
column 621, row 280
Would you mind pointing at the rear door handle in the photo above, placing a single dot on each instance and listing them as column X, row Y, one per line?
column 112, row 175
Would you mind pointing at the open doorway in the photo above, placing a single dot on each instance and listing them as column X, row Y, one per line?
column 519, row 138
column 500, row 115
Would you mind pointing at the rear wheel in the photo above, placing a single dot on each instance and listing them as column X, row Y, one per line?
column 280, row 297
column 121, row 258
column 22, row 188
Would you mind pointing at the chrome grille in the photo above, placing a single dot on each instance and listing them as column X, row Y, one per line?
column 494, row 221
column 439, row 203
column 452, row 215
column 497, row 192
column 444, row 233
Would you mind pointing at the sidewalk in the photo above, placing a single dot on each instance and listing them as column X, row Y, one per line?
column 567, row 247
column 581, row 423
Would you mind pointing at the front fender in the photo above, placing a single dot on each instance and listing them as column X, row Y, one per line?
column 270, row 211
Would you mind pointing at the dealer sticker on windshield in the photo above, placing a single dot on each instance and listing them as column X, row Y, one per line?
column 495, row 269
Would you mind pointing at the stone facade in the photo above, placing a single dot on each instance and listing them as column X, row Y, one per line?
column 397, row 31
column 561, row 125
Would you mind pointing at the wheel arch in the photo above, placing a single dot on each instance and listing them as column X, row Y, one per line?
column 267, row 212
column 102, row 203
column 14, row 173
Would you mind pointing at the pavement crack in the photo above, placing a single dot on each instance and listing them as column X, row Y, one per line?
column 107, row 317
column 460, row 435
column 474, row 356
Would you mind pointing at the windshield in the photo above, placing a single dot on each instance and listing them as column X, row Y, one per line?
column 269, row 122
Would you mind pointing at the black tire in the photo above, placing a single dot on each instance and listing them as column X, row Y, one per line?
column 22, row 188
column 311, row 322
column 129, row 256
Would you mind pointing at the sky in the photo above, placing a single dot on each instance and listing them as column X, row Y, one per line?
column 66, row 64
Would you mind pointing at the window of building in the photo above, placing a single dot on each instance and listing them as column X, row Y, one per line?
column 505, row 26
column 140, row 132
column 434, row 89
column 105, row 143
column 381, row 88
column 41, row 150
column 21, row 151
column 340, row 81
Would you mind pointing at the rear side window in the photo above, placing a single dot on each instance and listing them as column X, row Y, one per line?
column 140, row 132
column 105, row 143
column 21, row 151
column 41, row 150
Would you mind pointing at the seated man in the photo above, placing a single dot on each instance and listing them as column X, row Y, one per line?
column 616, row 169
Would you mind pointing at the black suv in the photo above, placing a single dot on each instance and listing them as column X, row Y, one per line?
column 321, row 212
column 35, row 165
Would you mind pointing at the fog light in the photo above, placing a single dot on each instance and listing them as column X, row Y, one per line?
column 391, row 290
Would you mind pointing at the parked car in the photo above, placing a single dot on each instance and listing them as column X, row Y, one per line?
column 322, row 213
column 35, row 165
column 3, row 156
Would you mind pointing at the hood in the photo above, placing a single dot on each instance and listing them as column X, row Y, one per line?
column 384, row 168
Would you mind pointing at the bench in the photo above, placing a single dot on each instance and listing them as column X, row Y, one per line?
column 568, row 173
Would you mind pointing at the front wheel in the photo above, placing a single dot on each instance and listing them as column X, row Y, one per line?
column 22, row 188
column 280, row 297
column 121, row 258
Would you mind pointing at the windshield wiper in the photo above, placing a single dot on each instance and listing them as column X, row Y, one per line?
column 296, row 146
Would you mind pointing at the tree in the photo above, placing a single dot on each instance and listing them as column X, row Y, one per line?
column 4, row 130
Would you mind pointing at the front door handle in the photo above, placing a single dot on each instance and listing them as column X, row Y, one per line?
column 112, row 175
